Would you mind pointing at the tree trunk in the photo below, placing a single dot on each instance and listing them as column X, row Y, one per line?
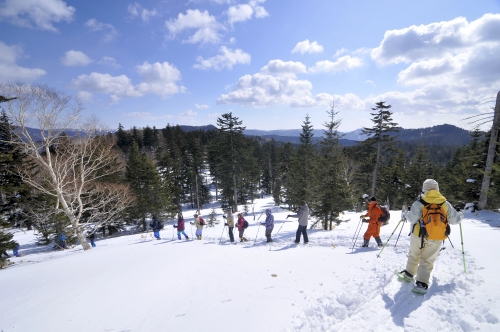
column 374, row 181
column 82, row 239
column 485, row 185
column 197, row 196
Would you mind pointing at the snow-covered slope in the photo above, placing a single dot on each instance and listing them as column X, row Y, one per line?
column 129, row 283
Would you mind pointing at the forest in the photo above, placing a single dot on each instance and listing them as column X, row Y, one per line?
column 102, row 182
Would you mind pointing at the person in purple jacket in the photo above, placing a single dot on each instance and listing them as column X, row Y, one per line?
column 269, row 223
column 180, row 227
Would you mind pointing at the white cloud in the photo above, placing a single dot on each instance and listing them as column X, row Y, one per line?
column 110, row 33
column 307, row 47
column 227, row 59
column 85, row 96
column 244, row 12
column 158, row 79
column 202, row 106
column 205, row 25
column 436, row 39
column 213, row 115
column 136, row 10
column 9, row 70
column 261, row 90
column 37, row 14
column 187, row 116
column 109, row 61
column 341, row 64
column 239, row 13
column 75, row 58
column 370, row 82
column 283, row 68
column 146, row 116
column 452, row 64
column 260, row 12
column 340, row 52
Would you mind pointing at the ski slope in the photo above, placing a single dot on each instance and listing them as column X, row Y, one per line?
column 132, row 283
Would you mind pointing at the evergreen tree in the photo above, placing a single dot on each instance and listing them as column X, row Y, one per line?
column 302, row 179
column 151, row 196
column 123, row 139
column 333, row 193
column 379, row 138
column 232, row 136
column 418, row 170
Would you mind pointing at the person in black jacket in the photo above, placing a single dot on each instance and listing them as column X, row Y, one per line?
column 156, row 226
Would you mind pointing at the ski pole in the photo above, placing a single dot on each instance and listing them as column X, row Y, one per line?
column 402, row 226
column 356, row 233
column 280, row 227
column 257, row 233
column 223, row 228
column 451, row 243
column 463, row 252
column 173, row 232
column 389, row 237
column 191, row 231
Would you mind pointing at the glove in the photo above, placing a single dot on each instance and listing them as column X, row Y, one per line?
column 287, row 216
column 225, row 224
column 458, row 209
column 365, row 220
column 224, row 217
column 175, row 226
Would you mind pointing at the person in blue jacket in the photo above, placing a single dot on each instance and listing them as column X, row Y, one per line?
column 156, row 226
column 269, row 223
column 15, row 251
column 61, row 240
column 92, row 239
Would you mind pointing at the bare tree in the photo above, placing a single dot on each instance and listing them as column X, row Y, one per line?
column 72, row 169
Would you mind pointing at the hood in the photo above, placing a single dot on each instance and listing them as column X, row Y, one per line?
column 268, row 211
column 433, row 196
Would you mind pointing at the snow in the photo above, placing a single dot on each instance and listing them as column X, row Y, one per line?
column 132, row 283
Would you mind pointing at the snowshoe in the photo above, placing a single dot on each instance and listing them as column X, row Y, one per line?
column 404, row 275
column 420, row 288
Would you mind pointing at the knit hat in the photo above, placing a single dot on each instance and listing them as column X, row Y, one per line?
column 429, row 184
column 373, row 199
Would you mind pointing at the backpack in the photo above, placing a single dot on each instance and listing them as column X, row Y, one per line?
column 202, row 222
column 245, row 224
column 385, row 216
column 434, row 223
column 160, row 224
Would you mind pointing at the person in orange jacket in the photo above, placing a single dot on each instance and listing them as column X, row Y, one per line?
column 374, row 213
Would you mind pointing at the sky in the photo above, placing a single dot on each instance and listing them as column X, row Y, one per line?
column 271, row 63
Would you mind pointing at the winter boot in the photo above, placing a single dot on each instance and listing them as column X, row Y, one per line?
column 407, row 276
column 187, row 237
column 420, row 287
column 365, row 243
column 179, row 237
column 379, row 242
column 244, row 239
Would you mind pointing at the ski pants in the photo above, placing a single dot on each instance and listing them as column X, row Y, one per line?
column 231, row 235
column 240, row 232
column 373, row 230
column 421, row 261
column 183, row 233
column 268, row 234
column 199, row 232
column 301, row 230
column 156, row 234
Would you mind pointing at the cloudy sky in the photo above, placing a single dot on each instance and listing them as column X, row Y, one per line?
column 270, row 62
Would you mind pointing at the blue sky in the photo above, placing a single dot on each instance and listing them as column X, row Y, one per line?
column 269, row 62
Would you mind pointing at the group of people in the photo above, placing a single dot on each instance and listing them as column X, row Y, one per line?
column 241, row 224
column 429, row 217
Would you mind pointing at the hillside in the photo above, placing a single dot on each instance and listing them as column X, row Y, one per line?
column 132, row 283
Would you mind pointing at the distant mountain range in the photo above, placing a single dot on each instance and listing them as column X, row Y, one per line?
column 446, row 134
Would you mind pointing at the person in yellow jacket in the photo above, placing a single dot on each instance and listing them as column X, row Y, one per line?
column 426, row 239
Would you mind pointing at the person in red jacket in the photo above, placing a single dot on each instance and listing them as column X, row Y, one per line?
column 241, row 227
column 374, row 213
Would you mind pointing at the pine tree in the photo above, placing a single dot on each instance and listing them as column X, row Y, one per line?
column 123, row 139
column 232, row 132
column 151, row 196
column 379, row 137
column 332, row 196
column 302, row 178
column 419, row 169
